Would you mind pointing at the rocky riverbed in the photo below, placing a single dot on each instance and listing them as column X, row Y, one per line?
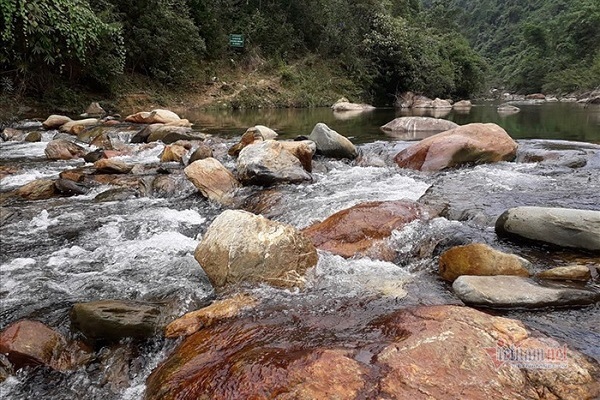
column 142, row 257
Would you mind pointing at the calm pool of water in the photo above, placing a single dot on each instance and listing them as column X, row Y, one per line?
column 568, row 121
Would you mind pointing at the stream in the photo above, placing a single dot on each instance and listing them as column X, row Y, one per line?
column 64, row 250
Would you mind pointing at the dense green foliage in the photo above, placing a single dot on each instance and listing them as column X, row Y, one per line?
column 383, row 46
column 537, row 45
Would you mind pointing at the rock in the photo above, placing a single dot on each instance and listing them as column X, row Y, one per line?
column 462, row 105
column 347, row 106
column 38, row 189
column 422, row 102
column 213, row 180
column 112, row 166
column 268, row 163
column 332, row 144
column 95, row 110
column 266, row 132
column 168, row 185
column 67, row 187
column 116, row 194
column 569, row 273
column 303, row 150
column 249, row 137
column 480, row 259
column 94, row 156
column 31, row 343
column 89, row 135
column 202, row 151
column 468, row 144
column 439, row 103
column 413, row 124
column 62, row 149
column 116, row 319
column 12, row 135
column 171, row 134
column 507, row 109
column 77, row 126
column 174, row 153
column 55, row 121
column 356, row 230
column 243, row 247
column 565, row 227
column 158, row 116
column 207, row 316
column 503, row 291
column 535, row 96
column 435, row 352
column 34, row 137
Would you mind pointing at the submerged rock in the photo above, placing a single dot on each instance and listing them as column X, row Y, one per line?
column 468, row 144
column 116, row 319
column 213, row 180
column 566, row 227
column 360, row 230
column 480, row 259
column 448, row 351
column 332, row 144
column 243, row 247
column 504, row 291
column 507, row 109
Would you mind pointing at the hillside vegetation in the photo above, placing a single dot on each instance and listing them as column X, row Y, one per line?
column 371, row 49
column 532, row 46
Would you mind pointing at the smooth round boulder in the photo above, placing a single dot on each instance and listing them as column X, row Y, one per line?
column 565, row 227
column 467, row 144
column 157, row 116
column 507, row 109
column 77, row 126
column 480, row 259
column 112, row 166
column 504, row 291
column 462, row 105
column 332, row 144
column 55, row 121
column 342, row 106
column 240, row 247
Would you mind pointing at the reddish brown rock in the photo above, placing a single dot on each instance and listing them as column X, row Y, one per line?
column 61, row 149
column 37, row 190
column 357, row 229
column 249, row 137
column 438, row 352
column 480, row 259
column 28, row 343
column 468, row 144
column 207, row 316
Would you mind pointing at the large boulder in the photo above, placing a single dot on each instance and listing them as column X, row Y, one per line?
column 468, row 144
column 566, row 227
column 342, row 106
column 418, row 124
column 158, row 116
column 62, row 149
column 303, row 150
column 435, row 352
column 213, row 180
column 38, row 189
column 480, row 259
column 114, row 320
column 462, row 105
column 360, row 230
column 504, row 291
column 268, row 163
column 332, row 144
column 77, row 126
column 243, row 247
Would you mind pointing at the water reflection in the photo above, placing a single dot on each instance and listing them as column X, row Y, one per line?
column 569, row 121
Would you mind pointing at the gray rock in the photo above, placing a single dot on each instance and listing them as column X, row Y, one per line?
column 414, row 124
column 268, row 163
column 504, row 291
column 566, row 227
column 332, row 144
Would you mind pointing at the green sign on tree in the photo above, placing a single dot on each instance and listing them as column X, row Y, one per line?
column 236, row 40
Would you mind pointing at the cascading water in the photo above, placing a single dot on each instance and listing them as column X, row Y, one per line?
column 64, row 250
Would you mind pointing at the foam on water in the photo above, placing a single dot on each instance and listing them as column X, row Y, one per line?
column 23, row 177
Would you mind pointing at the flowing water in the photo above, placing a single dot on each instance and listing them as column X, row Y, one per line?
column 64, row 250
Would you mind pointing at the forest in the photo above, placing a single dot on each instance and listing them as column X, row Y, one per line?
column 371, row 49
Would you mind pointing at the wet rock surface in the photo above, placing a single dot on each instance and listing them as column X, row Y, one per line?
column 396, row 355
